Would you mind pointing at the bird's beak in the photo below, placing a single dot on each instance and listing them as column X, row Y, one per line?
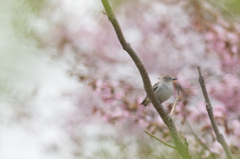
column 174, row 79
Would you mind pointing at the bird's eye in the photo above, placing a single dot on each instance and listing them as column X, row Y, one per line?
column 169, row 78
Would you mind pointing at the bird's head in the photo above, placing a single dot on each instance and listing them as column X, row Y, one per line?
column 167, row 78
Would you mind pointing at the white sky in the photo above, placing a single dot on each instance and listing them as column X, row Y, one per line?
column 23, row 69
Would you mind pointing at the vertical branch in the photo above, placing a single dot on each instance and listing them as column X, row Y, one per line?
column 219, row 136
column 176, row 102
column 181, row 146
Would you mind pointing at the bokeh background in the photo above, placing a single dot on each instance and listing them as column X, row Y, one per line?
column 68, row 90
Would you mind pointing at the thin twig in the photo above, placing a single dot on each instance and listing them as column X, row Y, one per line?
column 180, row 145
column 186, row 143
column 200, row 141
column 166, row 144
column 176, row 102
column 219, row 136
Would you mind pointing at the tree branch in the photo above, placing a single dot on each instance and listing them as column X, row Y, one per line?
column 176, row 102
column 219, row 136
column 166, row 144
column 180, row 145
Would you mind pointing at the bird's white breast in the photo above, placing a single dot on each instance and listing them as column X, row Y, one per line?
column 164, row 91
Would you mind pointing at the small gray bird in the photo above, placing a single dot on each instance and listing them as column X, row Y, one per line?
column 163, row 89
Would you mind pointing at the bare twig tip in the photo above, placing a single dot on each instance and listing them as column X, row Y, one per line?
column 199, row 71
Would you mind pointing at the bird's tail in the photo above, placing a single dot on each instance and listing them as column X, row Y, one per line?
column 146, row 101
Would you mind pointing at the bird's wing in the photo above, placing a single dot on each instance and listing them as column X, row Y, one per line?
column 155, row 86
column 146, row 100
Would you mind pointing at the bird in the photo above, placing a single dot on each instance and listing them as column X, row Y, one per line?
column 163, row 89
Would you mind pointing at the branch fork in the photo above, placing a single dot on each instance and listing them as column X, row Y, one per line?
column 180, row 145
